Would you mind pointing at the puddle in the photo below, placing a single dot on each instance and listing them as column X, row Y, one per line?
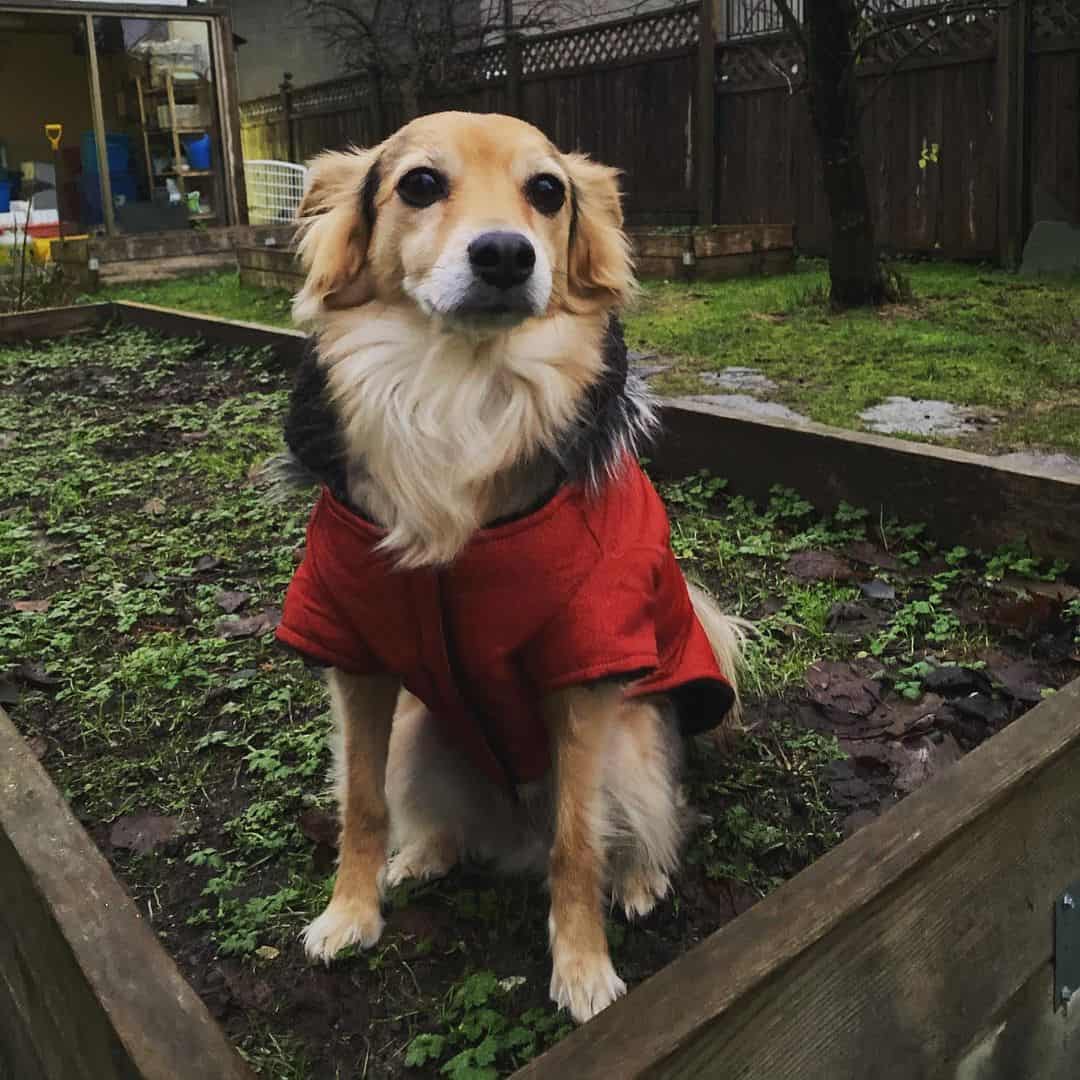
column 648, row 364
column 910, row 416
column 747, row 379
column 744, row 403
column 1032, row 459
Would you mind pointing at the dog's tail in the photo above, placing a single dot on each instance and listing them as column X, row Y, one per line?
column 726, row 635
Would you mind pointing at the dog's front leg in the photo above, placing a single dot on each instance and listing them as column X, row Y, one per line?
column 363, row 709
column 582, row 978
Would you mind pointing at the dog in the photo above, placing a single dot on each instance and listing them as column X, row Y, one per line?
column 513, row 652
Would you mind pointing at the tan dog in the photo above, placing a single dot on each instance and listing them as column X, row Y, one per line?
column 468, row 391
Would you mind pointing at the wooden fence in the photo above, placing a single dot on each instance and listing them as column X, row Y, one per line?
column 716, row 129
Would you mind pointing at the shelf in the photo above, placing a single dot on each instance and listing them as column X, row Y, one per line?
column 185, row 175
column 203, row 215
column 180, row 131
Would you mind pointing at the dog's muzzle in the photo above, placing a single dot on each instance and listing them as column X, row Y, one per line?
column 502, row 265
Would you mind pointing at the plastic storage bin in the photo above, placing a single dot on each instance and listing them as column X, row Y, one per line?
column 117, row 150
column 197, row 149
column 122, row 184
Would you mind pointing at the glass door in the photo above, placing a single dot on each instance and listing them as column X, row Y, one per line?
column 159, row 97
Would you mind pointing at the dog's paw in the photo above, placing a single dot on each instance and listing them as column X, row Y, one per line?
column 422, row 860
column 640, row 890
column 585, row 984
column 343, row 923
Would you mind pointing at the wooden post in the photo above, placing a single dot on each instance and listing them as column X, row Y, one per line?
column 98, row 114
column 228, row 98
column 705, row 121
column 1012, row 113
column 286, row 115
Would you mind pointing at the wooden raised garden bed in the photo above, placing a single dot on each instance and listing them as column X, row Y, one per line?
column 693, row 252
column 923, row 946
column 680, row 253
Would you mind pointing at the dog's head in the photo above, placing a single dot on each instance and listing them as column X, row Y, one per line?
column 476, row 219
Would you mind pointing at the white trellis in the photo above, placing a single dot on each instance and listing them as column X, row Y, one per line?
column 274, row 191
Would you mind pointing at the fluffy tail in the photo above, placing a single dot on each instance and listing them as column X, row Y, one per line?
column 726, row 635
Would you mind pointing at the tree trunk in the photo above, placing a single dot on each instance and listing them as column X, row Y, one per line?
column 855, row 272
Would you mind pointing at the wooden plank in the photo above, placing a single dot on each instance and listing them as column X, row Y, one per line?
column 97, row 114
column 53, row 322
column 969, row 498
column 1027, row 1039
column 889, row 956
column 288, row 345
column 141, row 270
column 277, row 259
column 93, row 994
column 270, row 279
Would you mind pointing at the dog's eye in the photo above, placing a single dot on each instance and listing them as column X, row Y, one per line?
column 422, row 187
column 546, row 192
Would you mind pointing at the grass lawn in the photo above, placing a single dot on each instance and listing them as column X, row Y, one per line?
column 140, row 573
column 971, row 335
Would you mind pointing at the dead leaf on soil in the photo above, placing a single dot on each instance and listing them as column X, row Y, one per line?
column 299, row 553
column 194, row 436
column 923, row 759
column 862, row 551
column 154, row 507
column 265, row 622
column 818, row 566
column 205, row 563
column 1021, row 680
column 142, row 833
column 841, row 689
column 35, row 675
column 907, row 718
column 1061, row 591
column 37, row 607
column 1028, row 614
column 232, row 601
column 877, row 590
column 768, row 316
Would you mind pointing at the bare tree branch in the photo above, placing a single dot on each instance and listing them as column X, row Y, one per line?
column 792, row 24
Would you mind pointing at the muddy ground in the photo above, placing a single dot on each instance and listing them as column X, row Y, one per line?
column 141, row 574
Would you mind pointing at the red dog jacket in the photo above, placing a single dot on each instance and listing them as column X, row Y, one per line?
column 584, row 588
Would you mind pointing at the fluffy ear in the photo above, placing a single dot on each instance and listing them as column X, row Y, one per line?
column 336, row 217
column 600, row 270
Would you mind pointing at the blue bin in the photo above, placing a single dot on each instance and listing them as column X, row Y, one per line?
column 117, row 150
column 122, row 184
column 197, row 148
column 5, row 195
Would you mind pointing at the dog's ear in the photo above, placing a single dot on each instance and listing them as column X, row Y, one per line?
column 600, row 271
column 336, row 216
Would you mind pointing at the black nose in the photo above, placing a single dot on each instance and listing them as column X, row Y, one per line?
column 502, row 259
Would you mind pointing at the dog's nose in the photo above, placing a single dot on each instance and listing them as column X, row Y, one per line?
column 502, row 259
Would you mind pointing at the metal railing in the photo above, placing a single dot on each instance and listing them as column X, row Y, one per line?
column 756, row 18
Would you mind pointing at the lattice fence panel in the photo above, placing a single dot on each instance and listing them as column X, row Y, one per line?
column 925, row 34
column 608, row 43
column 479, row 66
column 937, row 34
column 337, row 96
column 260, row 109
column 776, row 59
column 1052, row 20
